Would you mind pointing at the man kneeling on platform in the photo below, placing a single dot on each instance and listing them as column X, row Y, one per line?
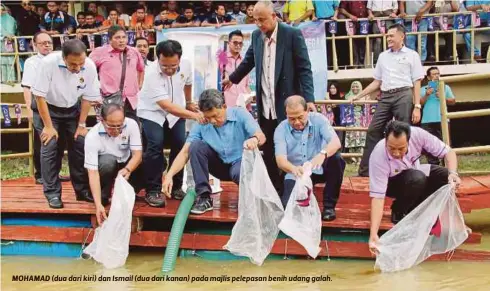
column 307, row 136
column 215, row 147
column 112, row 147
column 395, row 171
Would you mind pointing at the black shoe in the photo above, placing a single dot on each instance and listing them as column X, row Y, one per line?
column 39, row 181
column 203, row 204
column 396, row 217
column 86, row 196
column 55, row 202
column 178, row 194
column 329, row 214
column 64, row 178
column 155, row 199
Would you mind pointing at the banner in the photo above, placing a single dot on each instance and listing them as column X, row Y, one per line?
column 202, row 46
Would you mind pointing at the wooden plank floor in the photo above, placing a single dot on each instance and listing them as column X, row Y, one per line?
column 23, row 196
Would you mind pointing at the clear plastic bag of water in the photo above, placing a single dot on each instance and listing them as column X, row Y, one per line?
column 259, row 211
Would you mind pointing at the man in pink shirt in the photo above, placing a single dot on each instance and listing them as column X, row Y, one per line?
column 395, row 171
column 108, row 59
column 235, row 43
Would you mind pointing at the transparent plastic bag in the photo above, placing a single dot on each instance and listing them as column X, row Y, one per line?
column 418, row 235
column 110, row 245
column 259, row 211
column 302, row 219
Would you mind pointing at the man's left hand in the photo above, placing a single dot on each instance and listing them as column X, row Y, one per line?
column 81, row 131
column 454, row 180
column 192, row 107
column 311, row 106
column 251, row 143
column 415, row 116
column 317, row 161
column 125, row 173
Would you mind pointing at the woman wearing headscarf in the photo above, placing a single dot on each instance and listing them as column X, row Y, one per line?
column 355, row 140
column 8, row 30
column 335, row 94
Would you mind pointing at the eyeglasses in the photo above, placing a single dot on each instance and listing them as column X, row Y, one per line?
column 237, row 43
column 117, row 127
column 173, row 67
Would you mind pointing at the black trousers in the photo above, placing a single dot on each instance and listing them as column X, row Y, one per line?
column 433, row 128
column 154, row 161
column 411, row 187
column 108, row 169
column 398, row 105
column 333, row 174
column 268, row 127
column 205, row 160
column 65, row 121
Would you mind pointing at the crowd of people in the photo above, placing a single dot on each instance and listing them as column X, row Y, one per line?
column 363, row 16
column 143, row 105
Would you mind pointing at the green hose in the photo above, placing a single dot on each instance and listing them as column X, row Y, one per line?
column 177, row 231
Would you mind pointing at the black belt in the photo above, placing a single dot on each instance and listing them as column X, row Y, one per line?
column 396, row 90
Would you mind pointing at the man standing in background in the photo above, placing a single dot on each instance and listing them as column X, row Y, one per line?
column 398, row 74
column 143, row 47
column 431, row 115
column 235, row 44
column 109, row 61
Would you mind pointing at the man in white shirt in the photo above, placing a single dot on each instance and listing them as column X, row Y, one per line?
column 398, row 74
column 112, row 147
column 143, row 47
column 58, row 112
column 44, row 46
column 165, row 102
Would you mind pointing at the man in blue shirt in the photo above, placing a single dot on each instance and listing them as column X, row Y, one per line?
column 219, row 143
column 325, row 9
column 431, row 114
column 308, row 137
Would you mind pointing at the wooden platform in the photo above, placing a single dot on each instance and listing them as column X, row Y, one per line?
column 22, row 196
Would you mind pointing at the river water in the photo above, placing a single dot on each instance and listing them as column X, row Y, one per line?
column 297, row 274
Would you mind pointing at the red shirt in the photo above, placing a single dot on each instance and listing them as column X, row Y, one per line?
column 356, row 8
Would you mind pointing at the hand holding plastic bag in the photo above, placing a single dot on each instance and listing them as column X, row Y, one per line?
column 436, row 226
column 302, row 219
column 259, row 211
column 110, row 245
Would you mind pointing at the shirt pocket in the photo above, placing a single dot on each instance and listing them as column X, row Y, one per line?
column 123, row 146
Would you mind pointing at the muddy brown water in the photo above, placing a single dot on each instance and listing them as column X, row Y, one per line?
column 227, row 275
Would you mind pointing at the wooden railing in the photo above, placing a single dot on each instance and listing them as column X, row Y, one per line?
column 437, row 33
column 446, row 116
column 332, row 39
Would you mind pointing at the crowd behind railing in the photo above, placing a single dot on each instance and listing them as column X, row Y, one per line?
column 358, row 25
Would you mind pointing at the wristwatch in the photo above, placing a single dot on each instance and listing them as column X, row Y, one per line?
column 324, row 152
column 418, row 106
column 83, row 125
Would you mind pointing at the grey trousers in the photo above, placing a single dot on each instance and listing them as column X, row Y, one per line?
column 398, row 105
column 65, row 121
column 108, row 169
